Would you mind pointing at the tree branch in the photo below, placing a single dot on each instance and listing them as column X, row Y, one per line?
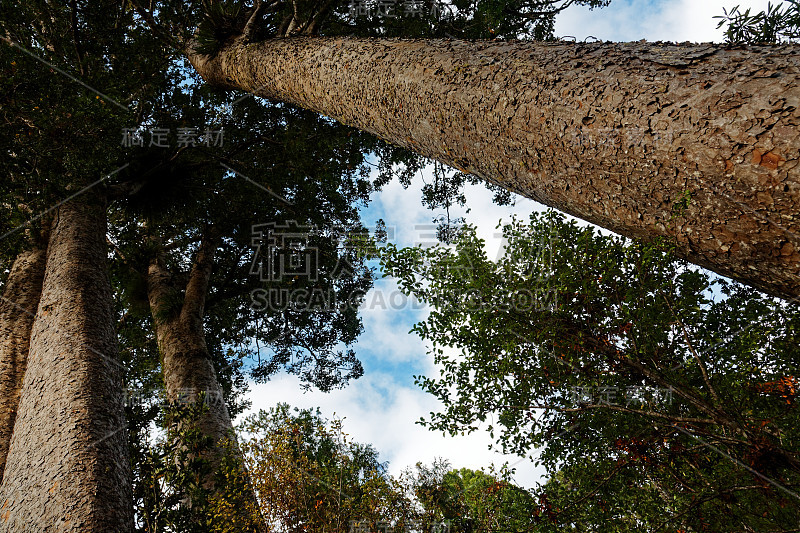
column 695, row 355
column 147, row 17
column 199, row 276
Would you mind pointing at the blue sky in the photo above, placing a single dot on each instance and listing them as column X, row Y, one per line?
column 382, row 407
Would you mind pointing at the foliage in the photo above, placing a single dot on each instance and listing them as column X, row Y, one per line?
column 647, row 384
column 170, row 495
column 462, row 19
column 779, row 23
column 277, row 165
column 470, row 501
column 219, row 25
column 310, row 477
column 304, row 172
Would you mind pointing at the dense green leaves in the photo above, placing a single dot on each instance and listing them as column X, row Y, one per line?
column 778, row 23
column 463, row 19
column 643, row 381
column 310, row 476
column 471, row 501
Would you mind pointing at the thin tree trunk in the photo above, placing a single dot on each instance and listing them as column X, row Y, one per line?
column 699, row 143
column 68, row 467
column 17, row 310
column 188, row 369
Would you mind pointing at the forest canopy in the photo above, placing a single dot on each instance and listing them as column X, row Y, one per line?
column 175, row 229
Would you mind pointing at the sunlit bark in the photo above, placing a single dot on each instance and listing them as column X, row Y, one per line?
column 698, row 143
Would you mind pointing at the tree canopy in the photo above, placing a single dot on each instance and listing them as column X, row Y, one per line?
column 638, row 381
column 311, row 476
column 646, row 383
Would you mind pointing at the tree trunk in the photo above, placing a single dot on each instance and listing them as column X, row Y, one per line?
column 188, row 369
column 17, row 311
column 699, row 143
column 68, row 467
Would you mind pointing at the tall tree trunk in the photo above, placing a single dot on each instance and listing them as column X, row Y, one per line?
column 68, row 467
column 700, row 143
column 188, row 369
column 17, row 311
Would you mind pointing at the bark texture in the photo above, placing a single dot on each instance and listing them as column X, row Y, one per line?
column 68, row 467
column 17, row 312
column 699, row 143
column 186, row 362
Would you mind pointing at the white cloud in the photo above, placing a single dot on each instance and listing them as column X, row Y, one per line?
column 632, row 20
column 388, row 315
column 404, row 213
column 380, row 411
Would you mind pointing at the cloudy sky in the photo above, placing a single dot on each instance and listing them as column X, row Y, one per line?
column 382, row 407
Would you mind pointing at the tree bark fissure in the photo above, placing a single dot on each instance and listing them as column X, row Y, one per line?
column 17, row 312
column 68, row 467
column 698, row 143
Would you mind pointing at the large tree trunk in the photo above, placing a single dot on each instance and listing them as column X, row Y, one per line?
column 616, row 134
column 68, row 466
column 17, row 311
column 188, row 370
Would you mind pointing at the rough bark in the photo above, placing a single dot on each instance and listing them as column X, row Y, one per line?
column 186, row 363
column 17, row 310
column 613, row 133
column 68, row 467
column 187, row 366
